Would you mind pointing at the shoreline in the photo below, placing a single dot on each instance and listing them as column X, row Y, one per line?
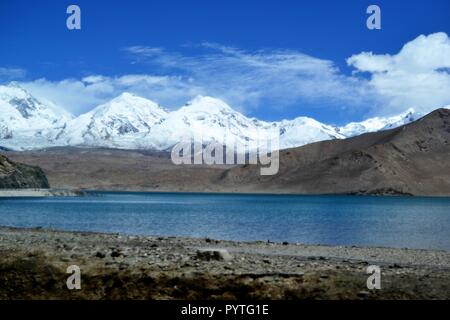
column 84, row 192
column 40, row 193
column 118, row 266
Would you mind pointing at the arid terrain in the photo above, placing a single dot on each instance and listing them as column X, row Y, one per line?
column 409, row 160
column 34, row 262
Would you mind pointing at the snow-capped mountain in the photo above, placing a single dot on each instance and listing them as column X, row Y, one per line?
column 304, row 130
column 208, row 119
column 25, row 121
column 211, row 119
column 118, row 123
column 379, row 123
column 21, row 111
column 132, row 122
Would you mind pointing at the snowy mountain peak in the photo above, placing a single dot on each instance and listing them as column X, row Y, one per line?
column 304, row 130
column 126, row 95
column 22, row 111
column 13, row 91
column 301, row 121
column 206, row 104
column 128, row 104
column 379, row 123
column 208, row 119
column 115, row 124
column 14, row 84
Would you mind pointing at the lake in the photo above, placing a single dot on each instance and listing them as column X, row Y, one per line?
column 412, row 222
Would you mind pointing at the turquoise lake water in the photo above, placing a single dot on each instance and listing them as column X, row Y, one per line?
column 334, row 220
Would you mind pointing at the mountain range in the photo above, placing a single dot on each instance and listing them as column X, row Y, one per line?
column 408, row 160
column 132, row 122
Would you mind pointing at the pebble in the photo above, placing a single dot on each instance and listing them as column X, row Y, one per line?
column 100, row 255
column 213, row 254
column 116, row 254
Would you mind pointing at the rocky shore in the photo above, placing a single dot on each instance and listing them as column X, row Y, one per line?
column 34, row 262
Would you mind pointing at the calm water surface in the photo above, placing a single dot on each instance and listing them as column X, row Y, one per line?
column 335, row 220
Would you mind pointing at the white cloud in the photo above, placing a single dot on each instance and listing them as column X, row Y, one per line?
column 79, row 96
column 93, row 79
column 243, row 79
column 7, row 74
column 417, row 76
column 250, row 79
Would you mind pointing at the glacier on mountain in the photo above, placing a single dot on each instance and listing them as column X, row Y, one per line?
column 132, row 122
column 379, row 123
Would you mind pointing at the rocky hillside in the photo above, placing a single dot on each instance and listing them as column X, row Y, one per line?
column 409, row 160
column 17, row 176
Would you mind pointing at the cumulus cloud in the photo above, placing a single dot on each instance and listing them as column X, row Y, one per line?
column 417, row 76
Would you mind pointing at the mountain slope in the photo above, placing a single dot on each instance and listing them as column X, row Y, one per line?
column 209, row 119
column 25, row 122
column 118, row 123
column 379, row 123
column 18, row 176
column 22, row 111
column 304, row 130
column 411, row 159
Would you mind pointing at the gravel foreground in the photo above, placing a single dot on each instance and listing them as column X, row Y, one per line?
column 33, row 265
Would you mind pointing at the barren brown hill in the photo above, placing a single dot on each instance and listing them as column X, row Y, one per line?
column 412, row 159
column 112, row 169
column 409, row 160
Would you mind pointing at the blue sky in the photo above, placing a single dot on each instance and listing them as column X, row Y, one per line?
column 269, row 59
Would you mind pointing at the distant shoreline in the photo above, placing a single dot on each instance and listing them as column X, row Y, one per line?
column 39, row 193
column 19, row 193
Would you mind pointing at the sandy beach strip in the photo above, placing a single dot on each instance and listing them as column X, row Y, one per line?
column 38, row 193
